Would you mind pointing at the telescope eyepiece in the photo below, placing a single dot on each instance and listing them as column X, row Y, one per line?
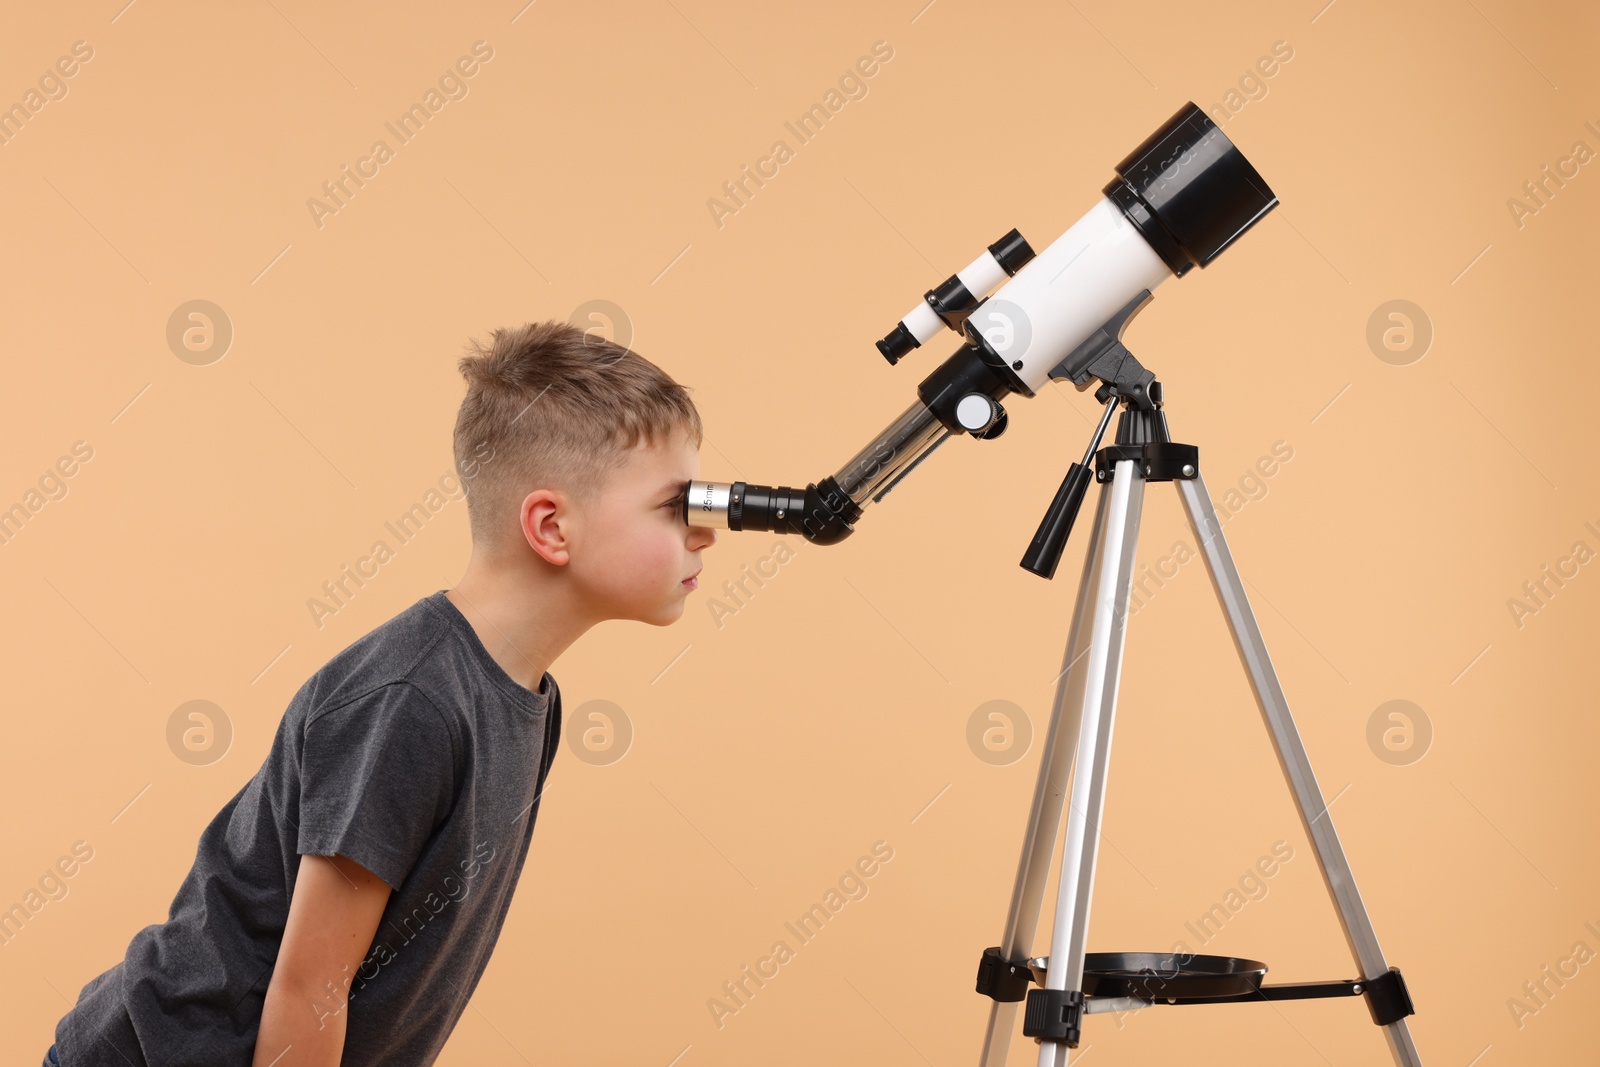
column 713, row 505
column 820, row 513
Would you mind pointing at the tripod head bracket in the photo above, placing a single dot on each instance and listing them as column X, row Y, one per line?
column 1159, row 461
column 1102, row 355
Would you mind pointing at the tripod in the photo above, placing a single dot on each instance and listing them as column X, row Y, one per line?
column 1074, row 983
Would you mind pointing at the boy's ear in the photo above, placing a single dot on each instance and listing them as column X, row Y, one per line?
column 543, row 518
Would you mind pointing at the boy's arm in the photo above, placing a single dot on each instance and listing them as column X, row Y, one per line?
column 333, row 917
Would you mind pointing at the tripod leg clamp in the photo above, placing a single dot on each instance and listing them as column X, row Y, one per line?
column 1054, row 1015
column 1000, row 979
column 1387, row 998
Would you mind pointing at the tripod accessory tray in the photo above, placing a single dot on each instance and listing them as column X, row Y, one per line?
column 1114, row 981
column 1156, row 976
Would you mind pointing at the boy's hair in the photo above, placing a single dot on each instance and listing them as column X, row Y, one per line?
column 550, row 405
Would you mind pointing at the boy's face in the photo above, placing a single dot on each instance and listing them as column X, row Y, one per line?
column 632, row 551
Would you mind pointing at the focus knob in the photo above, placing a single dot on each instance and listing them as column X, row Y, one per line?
column 980, row 415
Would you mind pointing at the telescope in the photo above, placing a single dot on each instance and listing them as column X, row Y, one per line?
column 1175, row 203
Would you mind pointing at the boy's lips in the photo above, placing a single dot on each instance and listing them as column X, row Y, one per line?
column 693, row 581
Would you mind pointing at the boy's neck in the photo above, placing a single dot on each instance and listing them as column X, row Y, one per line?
column 523, row 627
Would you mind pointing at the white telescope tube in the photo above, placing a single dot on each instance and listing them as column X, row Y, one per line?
column 1068, row 291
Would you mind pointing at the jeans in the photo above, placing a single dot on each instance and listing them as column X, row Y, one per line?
column 50, row 1059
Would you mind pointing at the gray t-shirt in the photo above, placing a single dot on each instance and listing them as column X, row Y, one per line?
column 413, row 753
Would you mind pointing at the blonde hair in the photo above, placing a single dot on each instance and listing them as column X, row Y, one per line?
column 551, row 406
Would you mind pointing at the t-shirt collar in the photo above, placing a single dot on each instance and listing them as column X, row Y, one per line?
column 491, row 667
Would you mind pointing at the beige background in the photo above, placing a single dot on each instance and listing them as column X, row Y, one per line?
column 831, row 710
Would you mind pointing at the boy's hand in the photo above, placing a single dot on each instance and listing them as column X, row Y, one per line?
column 333, row 917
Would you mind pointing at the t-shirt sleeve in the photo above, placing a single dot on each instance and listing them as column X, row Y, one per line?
column 377, row 776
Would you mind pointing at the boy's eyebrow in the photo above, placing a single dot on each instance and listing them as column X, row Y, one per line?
column 674, row 485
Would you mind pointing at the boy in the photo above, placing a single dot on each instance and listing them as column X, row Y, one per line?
column 343, row 905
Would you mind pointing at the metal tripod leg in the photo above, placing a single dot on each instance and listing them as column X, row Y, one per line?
column 1314, row 817
column 1049, row 797
column 1102, row 671
column 1080, row 729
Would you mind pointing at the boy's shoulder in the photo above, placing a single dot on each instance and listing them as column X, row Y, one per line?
column 390, row 653
column 430, row 650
